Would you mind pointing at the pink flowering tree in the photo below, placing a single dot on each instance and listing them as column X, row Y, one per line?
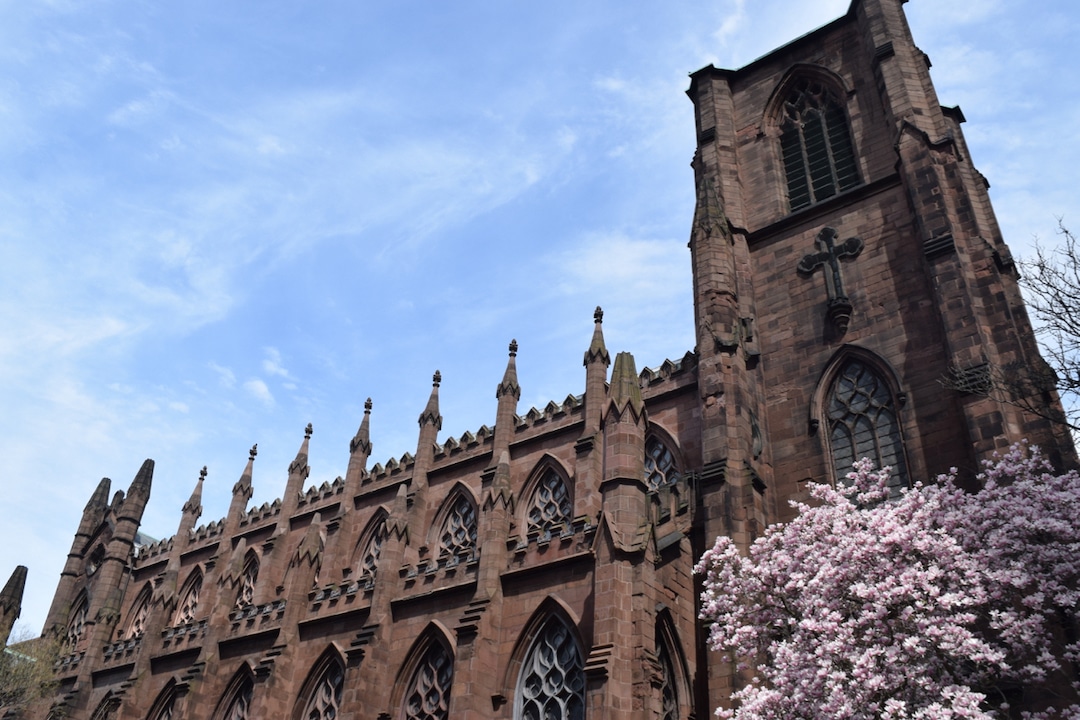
column 937, row 604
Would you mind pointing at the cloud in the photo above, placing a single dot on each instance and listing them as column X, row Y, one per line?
column 271, row 364
column 226, row 377
column 258, row 390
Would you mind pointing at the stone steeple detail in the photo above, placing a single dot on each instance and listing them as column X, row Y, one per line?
column 299, row 470
column 11, row 602
column 359, row 452
column 241, row 493
column 507, row 393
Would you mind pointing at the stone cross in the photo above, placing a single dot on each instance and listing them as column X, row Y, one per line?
column 829, row 254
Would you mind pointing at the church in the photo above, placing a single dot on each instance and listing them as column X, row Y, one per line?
column 852, row 294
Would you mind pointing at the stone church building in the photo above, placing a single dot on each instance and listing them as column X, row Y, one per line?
column 845, row 260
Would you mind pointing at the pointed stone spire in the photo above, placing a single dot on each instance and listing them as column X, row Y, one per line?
column 501, row 493
column 298, row 474
column 625, row 390
column 194, row 504
column 241, row 494
column 431, row 415
column 99, row 501
column 508, row 393
column 139, row 491
column 397, row 524
column 597, row 352
column 11, row 602
column 359, row 452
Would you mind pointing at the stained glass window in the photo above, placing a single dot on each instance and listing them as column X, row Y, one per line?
column 551, row 685
column 862, row 423
column 459, row 530
column 428, row 697
column 551, row 506
column 660, row 469
column 818, row 157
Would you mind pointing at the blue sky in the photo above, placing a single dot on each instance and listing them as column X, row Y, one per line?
column 222, row 221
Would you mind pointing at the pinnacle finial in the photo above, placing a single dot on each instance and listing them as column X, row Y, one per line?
column 307, row 431
column 202, row 474
column 513, row 348
column 367, row 406
column 436, row 379
column 253, row 451
column 598, row 315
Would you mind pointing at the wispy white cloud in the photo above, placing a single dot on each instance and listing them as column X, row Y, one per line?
column 258, row 390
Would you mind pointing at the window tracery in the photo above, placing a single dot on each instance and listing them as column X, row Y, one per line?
column 189, row 603
column 137, row 623
column 77, row 624
column 369, row 563
column 668, row 694
column 551, row 685
column 862, row 423
column 660, row 468
column 240, row 705
column 458, row 537
column 815, row 142
column 428, row 697
column 326, row 698
column 246, row 595
column 551, row 506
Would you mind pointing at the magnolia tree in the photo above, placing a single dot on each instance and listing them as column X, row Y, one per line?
column 937, row 604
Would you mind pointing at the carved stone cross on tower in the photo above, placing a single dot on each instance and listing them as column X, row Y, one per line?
column 829, row 254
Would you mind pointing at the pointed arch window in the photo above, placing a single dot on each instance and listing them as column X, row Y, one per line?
column 166, row 707
column 77, row 624
column 551, row 685
column 551, row 507
column 815, row 141
column 660, row 468
column 862, row 422
column 325, row 698
column 369, row 562
column 239, row 708
column 669, row 695
column 428, row 696
column 140, row 611
column 189, row 600
column 458, row 537
column 246, row 594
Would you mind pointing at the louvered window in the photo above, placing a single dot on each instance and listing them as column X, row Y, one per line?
column 552, row 681
column 660, row 467
column 551, row 507
column 819, row 160
column 863, row 423
column 428, row 697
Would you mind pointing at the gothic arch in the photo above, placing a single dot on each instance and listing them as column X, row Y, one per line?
column 187, row 600
column 164, row 707
column 249, row 576
column 365, row 556
column 105, row 710
column 424, row 682
column 808, row 113
column 76, row 622
column 549, row 646
column 135, row 622
column 856, row 407
column 549, row 607
column 548, row 496
column 454, row 531
column 235, row 702
column 669, row 649
column 320, row 695
column 655, row 462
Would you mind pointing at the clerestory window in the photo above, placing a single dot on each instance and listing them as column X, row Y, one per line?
column 815, row 141
column 551, row 685
column 551, row 508
column 428, row 697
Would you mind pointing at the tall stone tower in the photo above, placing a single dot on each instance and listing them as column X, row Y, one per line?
column 845, row 262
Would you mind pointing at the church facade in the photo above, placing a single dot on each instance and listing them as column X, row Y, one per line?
column 845, row 261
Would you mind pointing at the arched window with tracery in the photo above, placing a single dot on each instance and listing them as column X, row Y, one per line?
column 77, row 623
column 551, row 684
column 189, row 599
column 551, row 507
column 369, row 560
column 669, row 689
column 815, row 142
column 660, row 467
column 428, row 693
column 458, row 535
column 325, row 700
column 165, row 706
column 860, row 412
column 140, row 610
column 246, row 594
column 239, row 705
